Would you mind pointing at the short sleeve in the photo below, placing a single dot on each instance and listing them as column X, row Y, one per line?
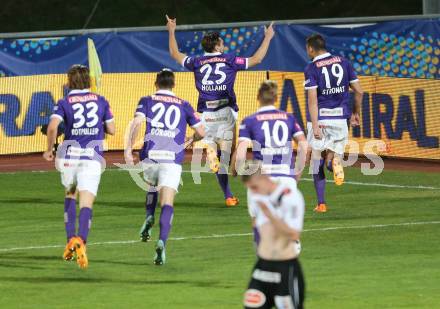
column 310, row 80
column 192, row 118
column 352, row 76
column 296, row 128
column 108, row 114
column 244, row 133
column 293, row 206
column 188, row 63
column 59, row 111
column 141, row 109
column 239, row 63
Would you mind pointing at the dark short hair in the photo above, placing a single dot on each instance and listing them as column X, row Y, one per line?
column 165, row 79
column 316, row 41
column 267, row 93
column 78, row 77
column 249, row 169
column 210, row 41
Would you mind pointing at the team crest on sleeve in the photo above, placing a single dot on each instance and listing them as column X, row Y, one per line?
column 307, row 81
column 55, row 108
column 140, row 106
column 254, row 298
column 240, row 60
column 242, row 126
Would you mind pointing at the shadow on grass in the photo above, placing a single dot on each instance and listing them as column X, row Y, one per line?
column 115, row 280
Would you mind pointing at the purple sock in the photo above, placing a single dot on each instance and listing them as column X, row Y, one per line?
column 166, row 218
column 85, row 222
column 69, row 217
column 151, row 202
column 319, row 182
column 330, row 165
column 223, row 177
column 256, row 236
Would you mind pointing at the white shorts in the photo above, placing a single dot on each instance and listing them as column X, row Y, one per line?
column 252, row 202
column 163, row 174
column 85, row 175
column 219, row 125
column 335, row 135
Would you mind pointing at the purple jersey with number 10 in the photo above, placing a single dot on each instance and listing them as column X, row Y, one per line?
column 271, row 132
column 167, row 117
column 331, row 75
column 215, row 77
column 84, row 114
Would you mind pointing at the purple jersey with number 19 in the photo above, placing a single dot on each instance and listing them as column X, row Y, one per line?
column 271, row 132
column 167, row 117
column 84, row 114
column 331, row 75
column 215, row 77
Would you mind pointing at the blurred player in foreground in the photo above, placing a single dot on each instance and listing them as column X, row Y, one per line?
column 215, row 74
column 277, row 278
column 87, row 117
column 328, row 79
column 271, row 132
column 163, row 152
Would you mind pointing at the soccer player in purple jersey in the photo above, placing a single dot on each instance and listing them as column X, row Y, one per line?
column 215, row 74
column 271, row 132
column 87, row 117
column 163, row 152
column 328, row 79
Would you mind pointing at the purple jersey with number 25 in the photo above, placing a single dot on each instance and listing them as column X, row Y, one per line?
column 215, row 77
column 167, row 117
column 271, row 132
column 84, row 114
column 331, row 75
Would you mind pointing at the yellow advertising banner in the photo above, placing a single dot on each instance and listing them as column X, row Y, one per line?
column 402, row 113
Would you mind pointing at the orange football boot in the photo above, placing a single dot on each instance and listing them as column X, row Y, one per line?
column 232, row 201
column 338, row 171
column 211, row 155
column 69, row 250
column 320, row 208
column 81, row 255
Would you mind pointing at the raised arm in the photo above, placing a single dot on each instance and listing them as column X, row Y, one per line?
column 174, row 48
column 262, row 50
column 358, row 93
column 52, row 130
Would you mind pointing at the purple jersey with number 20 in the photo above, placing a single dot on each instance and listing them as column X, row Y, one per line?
column 167, row 117
column 84, row 114
column 271, row 132
column 331, row 75
column 215, row 77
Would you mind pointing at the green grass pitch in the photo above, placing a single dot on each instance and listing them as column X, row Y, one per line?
column 364, row 253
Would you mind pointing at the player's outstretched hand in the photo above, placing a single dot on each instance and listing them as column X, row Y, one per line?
column 269, row 31
column 48, row 155
column 171, row 23
column 355, row 120
column 317, row 133
column 128, row 155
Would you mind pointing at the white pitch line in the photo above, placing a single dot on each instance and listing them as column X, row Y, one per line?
column 332, row 228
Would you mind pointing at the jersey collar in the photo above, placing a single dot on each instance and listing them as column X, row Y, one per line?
column 167, row 92
column 321, row 57
column 266, row 108
column 212, row 54
column 77, row 91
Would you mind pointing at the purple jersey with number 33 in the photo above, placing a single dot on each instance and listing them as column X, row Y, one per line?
column 167, row 117
column 84, row 114
column 271, row 132
column 215, row 77
column 331, row 75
